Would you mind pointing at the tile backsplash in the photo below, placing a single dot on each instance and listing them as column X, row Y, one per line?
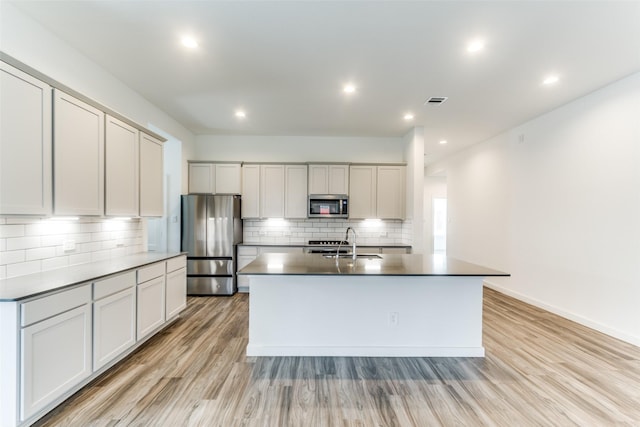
column 279, row 231
column 29, row 245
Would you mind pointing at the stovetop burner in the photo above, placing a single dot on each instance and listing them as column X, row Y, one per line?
column 328, row 242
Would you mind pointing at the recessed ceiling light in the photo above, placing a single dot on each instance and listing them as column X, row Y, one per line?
column 549, row 80
column 408, row 116
column 443, row 141
column 475, row 46
column 190, row 42
column 241, row 114
column 349, row 88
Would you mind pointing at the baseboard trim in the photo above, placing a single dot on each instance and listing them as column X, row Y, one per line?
column 566, row 314
column 339, row 351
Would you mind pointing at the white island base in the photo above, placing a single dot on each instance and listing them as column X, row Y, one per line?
column 380, row 316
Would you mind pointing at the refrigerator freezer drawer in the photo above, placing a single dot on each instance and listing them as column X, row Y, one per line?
column 210, row 267
column 219, row 285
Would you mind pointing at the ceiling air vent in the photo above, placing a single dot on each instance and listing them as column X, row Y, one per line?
column 436, row 100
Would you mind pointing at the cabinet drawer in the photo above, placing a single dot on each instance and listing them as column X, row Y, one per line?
column 177, row 263
column 113, row 284
column 247, row 250
column 151, row 272
column 280, row 250
column 43, row 308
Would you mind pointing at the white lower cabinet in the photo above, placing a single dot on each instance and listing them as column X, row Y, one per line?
column 176, row 297
column 56, row 354
column 114, row 326
column 56, row 343
column 150, row 306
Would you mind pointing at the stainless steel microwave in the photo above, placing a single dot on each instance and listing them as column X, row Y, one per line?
column 328, row 206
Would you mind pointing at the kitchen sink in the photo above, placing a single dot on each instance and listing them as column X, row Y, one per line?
column 365, row 256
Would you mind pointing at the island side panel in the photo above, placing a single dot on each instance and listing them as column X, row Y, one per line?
column 437, row 316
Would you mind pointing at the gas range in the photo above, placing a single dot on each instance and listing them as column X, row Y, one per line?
column 328, row 246
column 328, row 242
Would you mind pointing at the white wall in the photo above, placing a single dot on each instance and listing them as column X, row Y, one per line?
column 559, row 210
column 297, row 149
column 27, row 41
column 414, row 156
column 434, row 186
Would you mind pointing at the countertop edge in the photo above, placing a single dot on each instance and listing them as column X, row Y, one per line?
column 377, row 274
column 33, row 285
column 306, row 245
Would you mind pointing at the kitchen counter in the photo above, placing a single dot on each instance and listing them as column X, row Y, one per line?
column 22, row 287
column 306, row 245
column 376, row 265
column 390, row 305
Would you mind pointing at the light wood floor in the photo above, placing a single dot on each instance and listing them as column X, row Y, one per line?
column 540, row 370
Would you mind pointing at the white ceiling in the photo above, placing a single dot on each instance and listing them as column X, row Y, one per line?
column 285, row 63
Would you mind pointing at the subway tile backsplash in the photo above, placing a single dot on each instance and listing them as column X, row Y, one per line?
column 30, row 245
column 279, row 231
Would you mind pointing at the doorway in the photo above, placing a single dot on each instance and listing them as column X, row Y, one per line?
column 439, row 225
column 163, row 234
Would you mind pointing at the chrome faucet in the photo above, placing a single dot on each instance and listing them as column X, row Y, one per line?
column 346, row 237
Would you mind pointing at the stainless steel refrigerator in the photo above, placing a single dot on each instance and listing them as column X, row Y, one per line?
column 211, row 230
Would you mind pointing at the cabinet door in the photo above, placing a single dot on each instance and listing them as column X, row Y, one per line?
column 78, row 137
column 151, row 306
column 56, row 355
column 272, row 191
column 362, row 183
column 228, row 178
column 251, row 191
column 338, row 179
column 318, row 179
column 176, row 298
column 25, row 144
column 122, row 149
column 151, row 176
column 390, row 192
column 202, row 178
column 295, row 191
column 114, row 326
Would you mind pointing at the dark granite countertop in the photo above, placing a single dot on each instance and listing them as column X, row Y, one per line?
column 306, row 245
column 375, row 265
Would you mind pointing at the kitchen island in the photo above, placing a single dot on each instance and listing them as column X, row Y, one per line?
column 379, row 305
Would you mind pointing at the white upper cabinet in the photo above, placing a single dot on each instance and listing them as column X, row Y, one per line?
column 295, row 191
column 151, row 176
column 215, row 178
column 377, row 192
column 390, row 194
column 122, row 149
column 328, row 179
column 362, row 202
column 318, row 179
column 228, row 178
column 202, row 178
column 250, row 191
column 339, row 179
column 78, row 157
column 272, row 191
column 25, row 143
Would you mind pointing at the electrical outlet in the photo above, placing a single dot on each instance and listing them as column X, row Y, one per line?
column 69, row 245
column 394, row 318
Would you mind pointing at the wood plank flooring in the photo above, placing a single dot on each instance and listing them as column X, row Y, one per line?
column 540, row 370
